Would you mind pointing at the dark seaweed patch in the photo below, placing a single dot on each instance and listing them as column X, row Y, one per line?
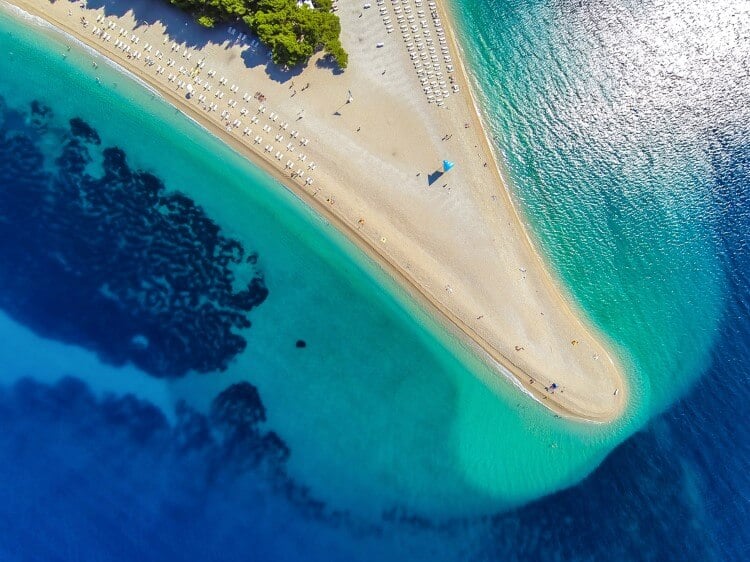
column 79, row 128
column 117, row 263
column 40, row 114
column 229, row 443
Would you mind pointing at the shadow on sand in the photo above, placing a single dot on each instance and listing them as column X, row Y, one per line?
column 183, row 30
column 434, row 176
column 330, row 64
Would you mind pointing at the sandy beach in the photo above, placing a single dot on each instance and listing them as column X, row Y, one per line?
column 365, row 149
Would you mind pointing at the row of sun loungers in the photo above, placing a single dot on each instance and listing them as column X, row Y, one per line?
column 190, row 79
column 431, row 59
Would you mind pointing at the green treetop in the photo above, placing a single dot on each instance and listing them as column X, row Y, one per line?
column 293, row 33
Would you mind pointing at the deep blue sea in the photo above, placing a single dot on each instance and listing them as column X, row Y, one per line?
column 195, row 367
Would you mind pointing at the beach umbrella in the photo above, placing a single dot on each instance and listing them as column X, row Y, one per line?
column 447, row 165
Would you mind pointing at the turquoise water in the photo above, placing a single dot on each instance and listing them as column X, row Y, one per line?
column 360, row 444
column 425, row 427
column 593, row 109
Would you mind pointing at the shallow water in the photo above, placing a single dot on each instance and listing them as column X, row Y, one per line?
column 608, row 117
column 624, row 126
column 224, row 295
column 326, row 451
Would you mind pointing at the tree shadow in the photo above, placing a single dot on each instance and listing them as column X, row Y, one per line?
column 327, row 62
column 180, row 26
column 184, row 30
column 261, row 56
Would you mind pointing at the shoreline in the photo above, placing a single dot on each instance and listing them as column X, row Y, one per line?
column 453, row 322
column 551, row 279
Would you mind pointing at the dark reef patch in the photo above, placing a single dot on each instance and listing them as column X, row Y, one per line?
column 116, row 263
column 232, row 429
column 79, row 128
column 40, row 114
column 230, row 444
column 237, row 414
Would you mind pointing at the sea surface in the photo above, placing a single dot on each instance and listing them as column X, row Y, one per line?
column 193, row 366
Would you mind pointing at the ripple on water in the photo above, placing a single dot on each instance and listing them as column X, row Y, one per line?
column 380, row 408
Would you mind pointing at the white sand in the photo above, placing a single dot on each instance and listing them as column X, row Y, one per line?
column 460, row 248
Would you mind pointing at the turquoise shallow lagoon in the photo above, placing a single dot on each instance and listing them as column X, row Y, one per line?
column 175, row 427
column 380, row 401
